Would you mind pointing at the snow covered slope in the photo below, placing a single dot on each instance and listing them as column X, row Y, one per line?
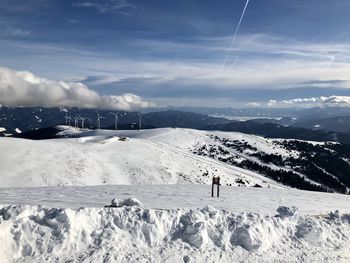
column 160, row 156
column 172, row 156
column 173, row 224
column 177, row 221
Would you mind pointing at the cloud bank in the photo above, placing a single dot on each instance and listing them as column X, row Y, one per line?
column 22, row 88
column 343, row 101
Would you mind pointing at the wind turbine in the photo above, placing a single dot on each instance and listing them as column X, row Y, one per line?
column 116, row 120
column 90, row 123
column 69, row 119
column 140, row 120
column 66, row 117
column 99, row 120
column 76, row 121
column 82, row 121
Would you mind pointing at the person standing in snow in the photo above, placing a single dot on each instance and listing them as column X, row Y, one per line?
column 216, row 180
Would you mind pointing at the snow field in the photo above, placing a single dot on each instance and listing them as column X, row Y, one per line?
column 263, row 201
column 161, row 156
column 177, row 221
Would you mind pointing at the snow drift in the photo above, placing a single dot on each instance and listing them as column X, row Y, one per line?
column 136, row 234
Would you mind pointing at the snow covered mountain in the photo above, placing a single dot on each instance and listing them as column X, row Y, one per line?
column 172, row 156
column 337, row 123
column 159, row 156
column 159, row 182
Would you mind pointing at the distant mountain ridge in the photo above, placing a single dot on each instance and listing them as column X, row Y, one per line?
column 35, row 123
column 300, row 114
column 273, row 130
column 337, row 123
column 16, row 120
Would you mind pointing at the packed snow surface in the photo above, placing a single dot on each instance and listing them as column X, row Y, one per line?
column 165, row 223
column 235, row 199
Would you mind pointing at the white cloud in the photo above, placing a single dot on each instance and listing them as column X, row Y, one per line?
column 265, row 62
column 22, row 88
column 8, row 30
column 106, row 6
column 343, row 101
column 24, row 6
column 19, row 32
column 73, row 21
column 253, row 104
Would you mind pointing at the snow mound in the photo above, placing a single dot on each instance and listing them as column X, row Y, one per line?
column 136, row 234
column 310, row 231
column 284, row 211
column 126, row 202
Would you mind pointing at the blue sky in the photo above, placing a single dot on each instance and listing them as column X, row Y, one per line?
column 172, row 52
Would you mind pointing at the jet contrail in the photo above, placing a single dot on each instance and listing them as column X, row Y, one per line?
column 234, row 63
column 235, row 34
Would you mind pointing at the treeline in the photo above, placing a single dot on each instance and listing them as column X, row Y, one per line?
column 282, row 176
column 326, row 164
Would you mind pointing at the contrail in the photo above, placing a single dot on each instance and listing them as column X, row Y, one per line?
column 234, row 63
column 235, row 34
